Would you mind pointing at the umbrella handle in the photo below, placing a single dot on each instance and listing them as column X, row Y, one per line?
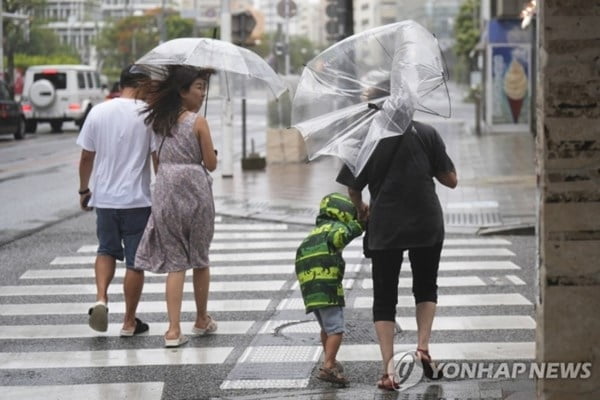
column 206, row 97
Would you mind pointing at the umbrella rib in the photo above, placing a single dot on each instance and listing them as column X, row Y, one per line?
column 384, row 49
column 430, row 111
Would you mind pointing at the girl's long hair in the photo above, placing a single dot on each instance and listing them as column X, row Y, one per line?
column 164, row 102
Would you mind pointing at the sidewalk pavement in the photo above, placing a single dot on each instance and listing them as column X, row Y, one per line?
column 496, row 183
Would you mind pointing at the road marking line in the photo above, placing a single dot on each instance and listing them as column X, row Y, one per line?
column 286, row 269
column 468, row 351
column 290, row 256
column 114, row 358
column 457, row 300
column 245, row 244
column 470, row 323
column 144, row 307
column 450, row 281
column 77, row 289
column 76, row 331
column 98, row 391
column 515, row 279
column 264, row 384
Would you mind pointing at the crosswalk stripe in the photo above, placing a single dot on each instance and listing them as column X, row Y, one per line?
column 76, row 331
column 144, row 307
column 99, row 391
column 370, row 352
column 269, row 269
column 264, row 384
column 291, row 244
column 215, row 286
column 478, row 322
column 290, row 255
column 493, row 351
column 114, row 358
column 456, row 281
column 120, row 272
column 475, row 266
column 457, row 300
column 346, row 283
column 451, row 281
column 440, row 323
column 251, row 227
column 230, row 236
column 515, row 279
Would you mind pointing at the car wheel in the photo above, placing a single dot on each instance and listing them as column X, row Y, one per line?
column 30, row 126
column 56, row 126
column 20, row 132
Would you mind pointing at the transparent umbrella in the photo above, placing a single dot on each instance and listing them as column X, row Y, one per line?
column 368, row 87
column 238, row 69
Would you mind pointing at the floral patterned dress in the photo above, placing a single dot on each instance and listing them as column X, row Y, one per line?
column 181, row 225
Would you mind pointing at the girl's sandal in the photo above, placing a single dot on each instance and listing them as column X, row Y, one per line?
column 332, row 375
column 430, row 369
column 387, row 382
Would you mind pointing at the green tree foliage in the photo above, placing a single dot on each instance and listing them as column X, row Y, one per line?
column 466, row 33
column 14, row 30
column 26, row 60
column 29, row 43
column 301, row 51
column 128, row 39
column 44, row 42
column 179, row 27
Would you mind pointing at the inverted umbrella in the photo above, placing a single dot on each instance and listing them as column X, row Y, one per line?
column 237, row 67
column 367, row 87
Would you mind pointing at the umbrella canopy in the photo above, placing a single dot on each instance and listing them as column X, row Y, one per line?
column 368, row 87
column 238, row 69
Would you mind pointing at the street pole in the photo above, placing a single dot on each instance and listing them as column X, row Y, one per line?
column 195, row 30
column 287, row 37
column 163, row 27
column 1, row 41
column 227, row 116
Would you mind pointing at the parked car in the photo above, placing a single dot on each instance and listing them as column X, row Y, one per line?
column 12, row 120
column 59, row 93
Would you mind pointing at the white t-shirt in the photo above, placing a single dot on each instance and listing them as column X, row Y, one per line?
column 116, row 132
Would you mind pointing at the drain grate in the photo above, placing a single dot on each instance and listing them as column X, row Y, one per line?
column 473, row 218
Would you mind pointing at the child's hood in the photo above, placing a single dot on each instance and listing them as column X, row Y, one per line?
column 336, row 207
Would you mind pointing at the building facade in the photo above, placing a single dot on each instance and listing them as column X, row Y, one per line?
column 77, row 23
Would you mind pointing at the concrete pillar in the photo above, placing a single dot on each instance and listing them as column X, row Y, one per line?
column 568, row 153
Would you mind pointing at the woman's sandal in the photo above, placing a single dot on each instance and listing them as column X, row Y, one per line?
column 211, row 327
column 430, row 369
column 332, row 375
column 387, row 382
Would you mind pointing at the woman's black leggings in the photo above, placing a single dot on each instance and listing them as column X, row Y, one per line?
column 424, row 263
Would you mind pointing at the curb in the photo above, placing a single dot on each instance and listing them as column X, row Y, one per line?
column 523, row 229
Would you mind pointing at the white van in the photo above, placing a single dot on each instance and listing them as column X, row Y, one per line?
column 59, row 93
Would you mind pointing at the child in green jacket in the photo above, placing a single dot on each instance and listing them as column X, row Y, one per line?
column 320, row 270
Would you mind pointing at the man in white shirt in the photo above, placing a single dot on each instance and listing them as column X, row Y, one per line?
column 116, row 148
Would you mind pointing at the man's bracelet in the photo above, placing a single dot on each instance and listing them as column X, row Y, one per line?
column 85, row 191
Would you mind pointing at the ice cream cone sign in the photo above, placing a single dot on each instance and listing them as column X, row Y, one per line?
column 515, row 88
